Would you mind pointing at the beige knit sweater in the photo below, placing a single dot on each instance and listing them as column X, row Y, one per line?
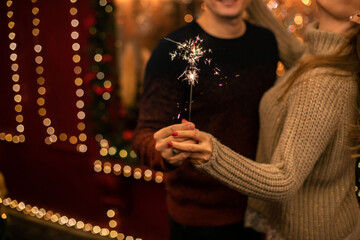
column 303, row 179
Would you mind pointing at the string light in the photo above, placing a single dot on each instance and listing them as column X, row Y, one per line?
column 19, row 136
column 62, row 220
column 52, row 136
column 137, row 172
column 107, row 150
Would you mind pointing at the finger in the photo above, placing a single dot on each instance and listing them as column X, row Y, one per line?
column 183, row 126
column 163, row 144
column 166, row 131
column 180, row 139
column 162, row 133
column 189, row 140
column 193, row 134
column 187, row 147
column 169, row 153
column 178, row 159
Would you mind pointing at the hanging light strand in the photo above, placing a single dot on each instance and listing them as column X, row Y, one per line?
column 19, row 136
column 52, row 135
column 51, row 216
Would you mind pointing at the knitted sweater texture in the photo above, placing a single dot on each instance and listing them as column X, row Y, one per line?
column 303, row 179
column 231, row 98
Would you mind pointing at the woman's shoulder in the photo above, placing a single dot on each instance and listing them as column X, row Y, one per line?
column 324, row 82
column 328, row 76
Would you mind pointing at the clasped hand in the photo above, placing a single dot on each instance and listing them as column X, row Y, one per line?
column 179, row 142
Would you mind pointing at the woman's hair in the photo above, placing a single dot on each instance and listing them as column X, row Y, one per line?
column 346, row 58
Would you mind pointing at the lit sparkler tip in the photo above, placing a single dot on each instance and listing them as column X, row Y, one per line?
column 192, row 77
column 191, row 52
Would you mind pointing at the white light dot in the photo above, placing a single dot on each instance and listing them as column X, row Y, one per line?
column 12, row 46
column 98, row 57
column 102, row 3
column 74, row 35
column 74, row 23
column 37, row 48
column 76, row 46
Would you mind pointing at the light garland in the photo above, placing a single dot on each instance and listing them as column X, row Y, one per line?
column 63, row 220
column 19, row 137
column 128, row 171
column 107, row 150
column 52, row 137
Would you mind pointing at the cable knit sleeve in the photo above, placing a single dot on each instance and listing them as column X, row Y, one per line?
column 290, row 48
column 313, row 112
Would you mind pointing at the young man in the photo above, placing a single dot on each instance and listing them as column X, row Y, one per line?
column 246, row 58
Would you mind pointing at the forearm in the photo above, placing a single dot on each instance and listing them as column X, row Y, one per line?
column 263, row 181
column 306, row 133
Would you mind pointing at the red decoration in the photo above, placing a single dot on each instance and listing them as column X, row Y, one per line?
column 107, row 58
column 90, row 21
column 98, row 90
column 122, row 110
column 89, row 76
column 127, row 135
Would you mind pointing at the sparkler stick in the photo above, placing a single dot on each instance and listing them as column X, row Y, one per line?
column 191, row 52
column 190, row 101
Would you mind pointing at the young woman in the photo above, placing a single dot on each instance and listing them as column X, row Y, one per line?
column 302, row 183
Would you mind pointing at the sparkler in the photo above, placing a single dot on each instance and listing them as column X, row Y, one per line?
column 190, row 51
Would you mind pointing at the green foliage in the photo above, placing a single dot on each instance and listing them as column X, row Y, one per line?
column 110, row 119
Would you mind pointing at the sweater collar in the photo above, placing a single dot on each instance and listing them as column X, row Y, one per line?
column 323, row 43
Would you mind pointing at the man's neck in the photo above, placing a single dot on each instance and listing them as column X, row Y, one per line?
column 225, row 28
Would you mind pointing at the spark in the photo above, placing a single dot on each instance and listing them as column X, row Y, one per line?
column 191, row 51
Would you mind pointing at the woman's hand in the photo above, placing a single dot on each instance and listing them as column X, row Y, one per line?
column 201, row 148
column 165, row 135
